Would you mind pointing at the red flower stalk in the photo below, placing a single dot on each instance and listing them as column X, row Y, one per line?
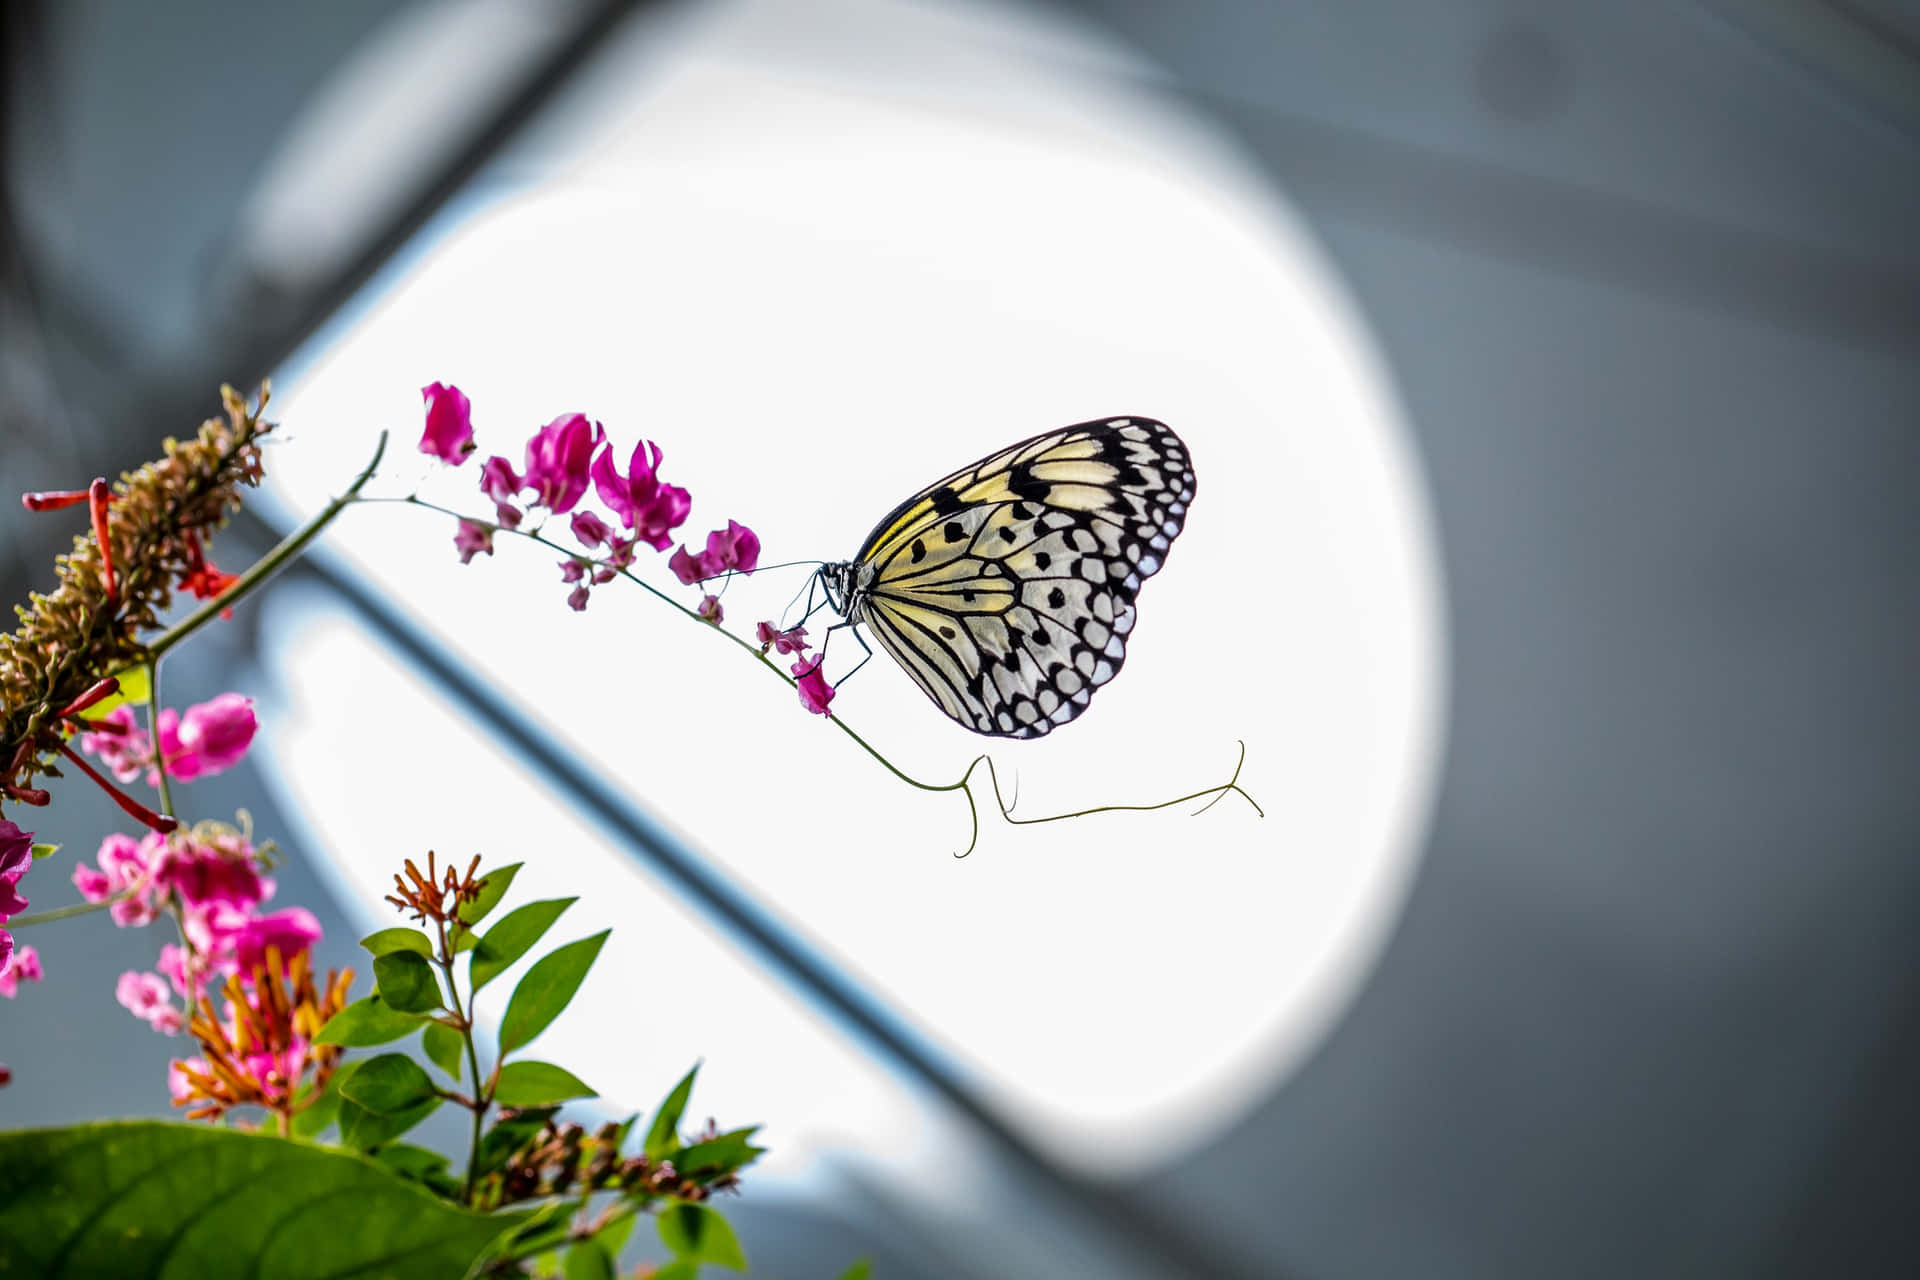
column 131, row 807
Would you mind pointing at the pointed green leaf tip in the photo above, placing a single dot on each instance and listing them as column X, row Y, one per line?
column 149, row 1199
column 663, row 1136
column 513, row 936
column 493, row 887
column 388, row 940
column 696, row 1233
column 535, row 1084
column 546, row 989
column 367, row 1022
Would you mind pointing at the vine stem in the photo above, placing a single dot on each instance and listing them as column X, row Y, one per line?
column 265, row 567
column 964, row 783
column 153, row 735
column 445, row 959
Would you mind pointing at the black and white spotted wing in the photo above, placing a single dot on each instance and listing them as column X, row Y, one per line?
column 1007, row 589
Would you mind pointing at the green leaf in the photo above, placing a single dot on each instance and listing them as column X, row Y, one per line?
column 364, row 1130
column 367, row 1022
column 135, row 687
column 398, row 940
column 176, row 1202
column 411, row 1162
column 678, row 1269
column 406, row 982
column 315, row 1119
column 533, row 1084
column 727, row 1153
column 492, row 889
column 699, row 1234
column 861, row 1270
column 545, row 990
column 44, row 851
column 614, row 1235
column 463, row 938
column 663, row 1136
column 508, row 940
column 587, row 1260
column 389, row 1083
column 443, row 1047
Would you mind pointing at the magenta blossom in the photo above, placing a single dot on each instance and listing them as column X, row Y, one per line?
column 710, row 610
column 218, row 869
column 213, row 736
column 815, row 692
column 770, row 637
column 449, row 433
column 291, row 932
column 499, row 481
column 577, row 598
column 734, row 547
column 472, row 539
column 124, row 864
column 16, row 855
column 645, row 505
column 209, row 738
column 590, row 529
column 558, row 458
column 24, row 968
column 146, row 997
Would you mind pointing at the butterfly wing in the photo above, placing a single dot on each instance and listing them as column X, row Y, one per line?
column 1006, row 590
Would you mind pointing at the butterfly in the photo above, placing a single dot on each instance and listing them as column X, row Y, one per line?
column 1006, row 590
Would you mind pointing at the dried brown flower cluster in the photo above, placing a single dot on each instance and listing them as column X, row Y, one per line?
column 564, row 1160
column 265, row 1049
column 157, row 523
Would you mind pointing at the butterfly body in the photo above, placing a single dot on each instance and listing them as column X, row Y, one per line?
column 1006, row 590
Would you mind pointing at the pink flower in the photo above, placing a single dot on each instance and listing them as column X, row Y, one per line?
column 167, row 1020
column 735, row 547
column 646, row 506
column 710, row 610
column 577, row 598
column 24, row 968
column 209, row 738
column 145, row 995
column 590, row 529
column 16, row 856
column 471, row 539
column 691, row 569
column 174, row 963
column 121, row 743
column 558, row 458
column 572, row 569
column 499, row 481
column 793, row 641
column 291, row 932
column 449, row 433
column 217, row 870
column 213, row 736
column 123, row 864
column 815, row 692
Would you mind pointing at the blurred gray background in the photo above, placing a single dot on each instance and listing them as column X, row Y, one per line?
column 1648, row 284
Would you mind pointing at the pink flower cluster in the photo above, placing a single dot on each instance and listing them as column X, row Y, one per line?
column 16, row 857
column 211, row 875
column 565, row 458
column 206, row 739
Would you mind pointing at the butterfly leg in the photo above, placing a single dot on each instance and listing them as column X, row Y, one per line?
column 857, row 638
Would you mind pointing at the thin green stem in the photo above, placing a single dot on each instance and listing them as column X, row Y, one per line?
column 268, row 565
column 445, row 957
column 67, row 912
column 153, row 735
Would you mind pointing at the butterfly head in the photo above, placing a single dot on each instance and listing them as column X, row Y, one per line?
column 845, row 583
